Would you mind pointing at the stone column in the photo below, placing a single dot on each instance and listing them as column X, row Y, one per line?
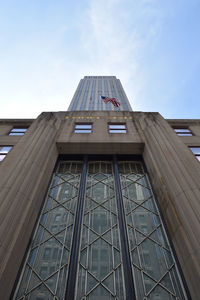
column 25, row 175
column 175, row 175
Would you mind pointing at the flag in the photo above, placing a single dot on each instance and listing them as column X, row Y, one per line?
column 112, row 100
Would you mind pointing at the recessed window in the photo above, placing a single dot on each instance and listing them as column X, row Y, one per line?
column 196, row 151
column 117, row 128
column 183, row 131
column 18, row 131
column 83, row 128
column 4, row 151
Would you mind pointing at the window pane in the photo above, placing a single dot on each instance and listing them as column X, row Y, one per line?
column 16, row 133
column 50, row 250
column 149, row 248
column 2, row 156
column 195, row 150
column 184, row 134
column 198, row 157
column 100, row 268
column 83, row 126
column 117, row 126
column 19, row 130
column 82, row 131
column 181, row 130
column 117, row 130
column 5, row 149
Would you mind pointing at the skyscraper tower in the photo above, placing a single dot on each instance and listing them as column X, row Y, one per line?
column 91, row 88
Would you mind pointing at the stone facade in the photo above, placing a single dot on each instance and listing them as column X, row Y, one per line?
column 26, row 172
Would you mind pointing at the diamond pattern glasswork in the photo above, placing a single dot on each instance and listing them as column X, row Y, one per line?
column 152, row 261
column 45, row 272
column 100, row 264
column 100, row 267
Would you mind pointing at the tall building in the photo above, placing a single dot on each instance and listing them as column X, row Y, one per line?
column 91, row 88
column 97, row 203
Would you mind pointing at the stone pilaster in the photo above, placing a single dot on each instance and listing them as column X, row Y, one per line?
column 175, row 175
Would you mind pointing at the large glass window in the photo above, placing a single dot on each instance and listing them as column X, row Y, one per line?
column 45, row 272
column 99, row 223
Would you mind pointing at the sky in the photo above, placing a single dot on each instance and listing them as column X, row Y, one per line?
column 152, row 46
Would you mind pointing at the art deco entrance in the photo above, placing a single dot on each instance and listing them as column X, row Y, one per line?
column 100, row 236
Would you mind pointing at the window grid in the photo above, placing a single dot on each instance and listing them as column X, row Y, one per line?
column 156, row 275
column 45, row 272
column 101, row 267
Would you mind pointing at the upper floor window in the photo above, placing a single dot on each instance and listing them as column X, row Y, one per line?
column 183, row 131
column 117, row 128
column 4, row 151
column 196, row 151
column 18, row 131
column 83, row 128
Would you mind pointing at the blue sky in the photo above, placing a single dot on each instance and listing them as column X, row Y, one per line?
column 152, row 46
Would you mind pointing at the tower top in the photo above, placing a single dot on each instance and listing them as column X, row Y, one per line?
column 91, row 89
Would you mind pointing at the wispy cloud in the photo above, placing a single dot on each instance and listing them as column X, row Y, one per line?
column 150, row 45
column 115, row 34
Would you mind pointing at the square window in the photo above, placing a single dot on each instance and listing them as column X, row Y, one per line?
column 196, row 152
column 183, row 131
column 4, row 151
column 117, row 128
column 17, row 131
column 83, row 128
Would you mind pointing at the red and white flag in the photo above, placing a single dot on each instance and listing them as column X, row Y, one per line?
column 112, row 100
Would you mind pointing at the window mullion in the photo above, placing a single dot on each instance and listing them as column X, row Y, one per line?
column 128, row 275
column 72, row 272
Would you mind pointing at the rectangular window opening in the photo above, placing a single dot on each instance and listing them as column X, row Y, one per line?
column 117, row 128
column 83, row 128
column 183, row 131
column 18, row 131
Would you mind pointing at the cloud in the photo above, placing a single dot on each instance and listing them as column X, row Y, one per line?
column 115, row 35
